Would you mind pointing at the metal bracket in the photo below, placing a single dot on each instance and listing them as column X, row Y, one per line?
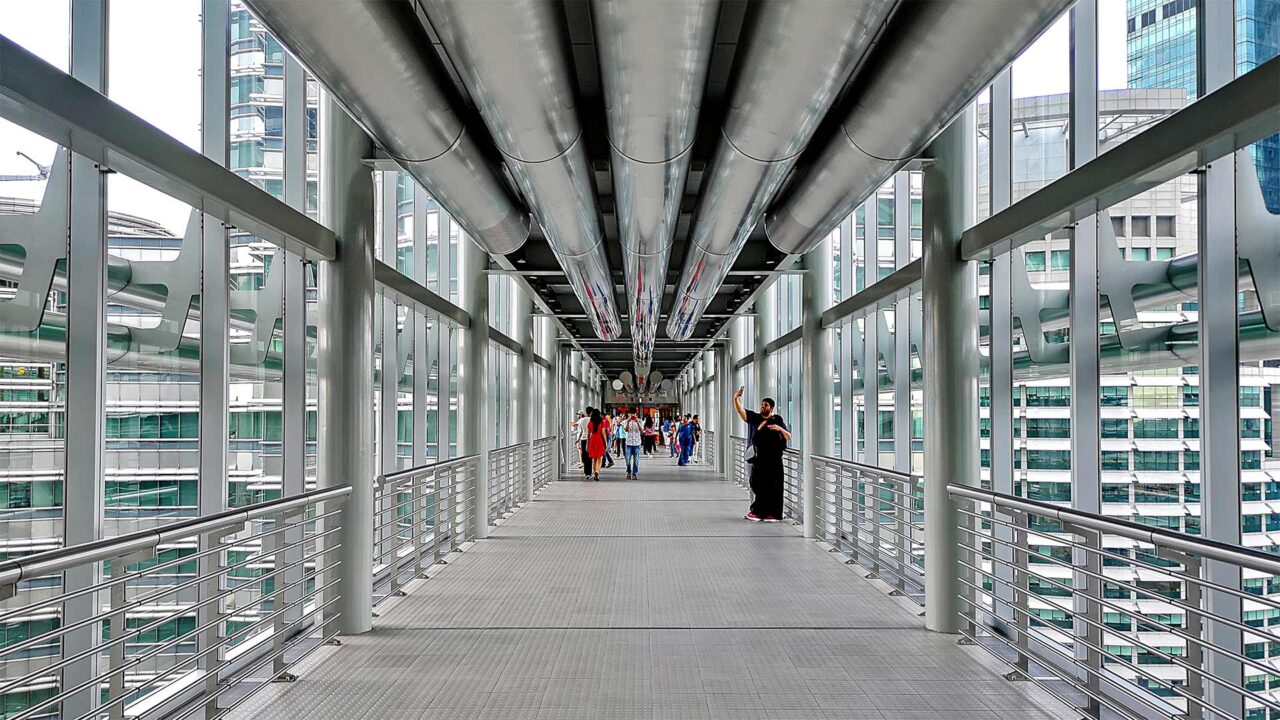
column 285, row 678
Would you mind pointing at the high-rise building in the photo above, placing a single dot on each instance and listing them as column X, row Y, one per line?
column 1161, row 44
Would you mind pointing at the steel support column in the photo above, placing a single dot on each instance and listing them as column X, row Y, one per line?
column 1001, row 343
column 215, row 302
column 902, row 319
column 385, row 324
column 294, row 376
column 762, row 324
column 523, row 408
column 473, row 373
column 425, row 342
column 870, row 360
column 86, row 364
column 1220, row 368
column 1084, row 370
column 815, row 348
column 950, row 363
column 345, row 348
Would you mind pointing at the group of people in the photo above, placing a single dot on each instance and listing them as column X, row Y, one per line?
column 601, row 436
column 684, row 434
column 630, row 435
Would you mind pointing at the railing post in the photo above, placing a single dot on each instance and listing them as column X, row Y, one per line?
column 345, row 340
column 950, row 363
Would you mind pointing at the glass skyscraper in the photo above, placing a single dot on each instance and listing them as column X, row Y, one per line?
column 1161, row 43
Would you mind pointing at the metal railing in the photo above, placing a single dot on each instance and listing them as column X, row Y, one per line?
column 1044, row 593
column 421, row 516
column 507, row 489
column 740, row 471
column 792, row 480
column 707, row 449
column 542, row 470
column 876, row 517
column 193, row 616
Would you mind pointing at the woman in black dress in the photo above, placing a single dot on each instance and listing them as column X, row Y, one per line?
column 767, row 434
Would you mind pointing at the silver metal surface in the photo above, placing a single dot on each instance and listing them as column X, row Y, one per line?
column 473, row 375
column 653, row 64
column 513, row 59
column 345, row 349
column 815, row 349
column 951, row 363
column 940, row 56
column 375, row 58
column 796, row 59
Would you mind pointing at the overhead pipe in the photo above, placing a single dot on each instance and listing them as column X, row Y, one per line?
column 654, row 56
column 512, row 58
column 797, row 58
column 376, row 60
column 941, row 55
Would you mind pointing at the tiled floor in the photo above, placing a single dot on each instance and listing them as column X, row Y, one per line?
column 648, row 600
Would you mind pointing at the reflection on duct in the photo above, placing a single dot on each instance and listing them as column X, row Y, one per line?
column 941, row 55
column 511, row 56
column 653, row 62
column 797, row 58
column 375, row 59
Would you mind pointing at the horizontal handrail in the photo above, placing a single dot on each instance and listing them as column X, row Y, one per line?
column 865, row 466
column 416, row 469
column 1211, row 549
column 59, row 559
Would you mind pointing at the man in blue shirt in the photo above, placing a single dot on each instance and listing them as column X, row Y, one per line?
column 686, row 440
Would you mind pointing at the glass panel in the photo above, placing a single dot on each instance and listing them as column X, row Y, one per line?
column 34, row 219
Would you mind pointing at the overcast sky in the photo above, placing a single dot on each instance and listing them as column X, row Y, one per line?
column 155, row 72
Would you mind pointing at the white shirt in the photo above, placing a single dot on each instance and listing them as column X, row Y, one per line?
column 582, row 428
column 634, row 428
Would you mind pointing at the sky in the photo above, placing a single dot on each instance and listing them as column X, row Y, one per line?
column 157, row 76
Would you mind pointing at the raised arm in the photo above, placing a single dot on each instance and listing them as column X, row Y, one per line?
column 737, row 405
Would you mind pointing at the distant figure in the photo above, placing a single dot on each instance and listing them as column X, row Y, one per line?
column 583, row 434
column 767, row 436
column 686, row 439
column 650, row 436
column 634, row 437
column 597, row 441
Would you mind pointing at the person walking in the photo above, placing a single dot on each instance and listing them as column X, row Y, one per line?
column 634, row 437
column 597, row 441
column 582, row 432
column 685, row 438
column 649, row 435
column 697, row 435
column 620, row 437
column 767, row 436
column 672, row 441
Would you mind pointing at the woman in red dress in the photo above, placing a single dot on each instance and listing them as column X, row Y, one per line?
column 597, row 441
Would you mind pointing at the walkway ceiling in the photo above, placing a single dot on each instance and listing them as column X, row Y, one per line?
column 484, row 87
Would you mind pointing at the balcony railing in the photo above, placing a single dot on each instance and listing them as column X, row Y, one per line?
column 507, row 489
column 421, row 517
column 1121, row 626
column 542, row 471
column 875, row 517
column 235, row 599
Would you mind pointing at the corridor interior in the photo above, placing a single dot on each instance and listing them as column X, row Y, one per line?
column 654, row 600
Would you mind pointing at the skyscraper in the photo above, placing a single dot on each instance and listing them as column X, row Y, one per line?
column 1161, row 44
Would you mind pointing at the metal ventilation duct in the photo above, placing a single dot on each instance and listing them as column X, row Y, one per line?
column 512, row 58
column 376, row 59
column 942, row 55
column 653, row 61
column 798, row 57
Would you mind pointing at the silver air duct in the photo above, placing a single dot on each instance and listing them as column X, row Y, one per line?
column 653, row 62
column 944, row 53
column 376, row 59
column 798, row 57
column 511, row 57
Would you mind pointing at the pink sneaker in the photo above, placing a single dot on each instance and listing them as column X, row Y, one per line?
column 752, row 517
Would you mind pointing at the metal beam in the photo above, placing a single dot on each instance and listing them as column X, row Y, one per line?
column 407, row 291
column 1232, row 117
column 51, row 103
column 901, row 279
